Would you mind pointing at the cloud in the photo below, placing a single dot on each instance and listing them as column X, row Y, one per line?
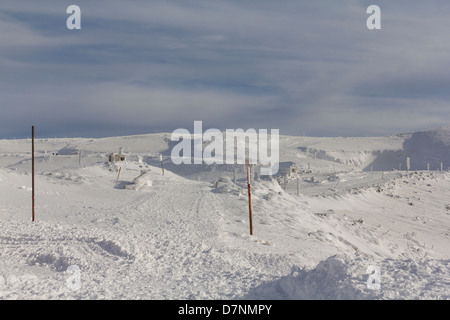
column 141, row 66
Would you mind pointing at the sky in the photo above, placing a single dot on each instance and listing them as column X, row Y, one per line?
column 303, row 67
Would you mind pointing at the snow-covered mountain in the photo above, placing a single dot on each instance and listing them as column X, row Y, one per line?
column 184, row 234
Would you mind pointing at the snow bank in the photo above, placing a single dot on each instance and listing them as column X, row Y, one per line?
column 68, row 150
column 373, row 153
column 340, row 277
column 142, row 180
column 431, row 147
column 225, row 185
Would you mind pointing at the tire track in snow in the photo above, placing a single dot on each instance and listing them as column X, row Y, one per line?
column 177, row 233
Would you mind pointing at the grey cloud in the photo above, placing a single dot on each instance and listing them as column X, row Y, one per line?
column 158, row 65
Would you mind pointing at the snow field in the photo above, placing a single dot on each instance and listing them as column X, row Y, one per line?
column 185, row 235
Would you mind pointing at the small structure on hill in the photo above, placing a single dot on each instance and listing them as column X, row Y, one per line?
column 288, row 169
column 293, row 171
column 117, row 157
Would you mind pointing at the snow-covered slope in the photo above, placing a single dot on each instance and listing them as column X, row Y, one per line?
column 378, row 153
column 185, row 234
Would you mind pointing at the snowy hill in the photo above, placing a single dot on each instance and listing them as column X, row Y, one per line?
column 380, row 153
column 185, row 234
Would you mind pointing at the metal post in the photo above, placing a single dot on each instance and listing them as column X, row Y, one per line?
column 32, row 172
column 249, row 201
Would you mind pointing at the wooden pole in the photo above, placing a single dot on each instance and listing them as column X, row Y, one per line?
column 32, row 172
column 249, row 202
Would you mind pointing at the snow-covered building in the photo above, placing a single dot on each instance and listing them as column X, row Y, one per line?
column 288, row 169
column 117, row 157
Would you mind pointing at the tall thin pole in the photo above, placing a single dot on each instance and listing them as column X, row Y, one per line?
column 249, row 202
column 32, row 172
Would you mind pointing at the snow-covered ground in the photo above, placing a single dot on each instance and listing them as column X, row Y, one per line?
column 358, row 228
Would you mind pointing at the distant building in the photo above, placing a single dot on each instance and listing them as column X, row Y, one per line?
column 288, row 169
column 293, row 171
column 117, row 157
